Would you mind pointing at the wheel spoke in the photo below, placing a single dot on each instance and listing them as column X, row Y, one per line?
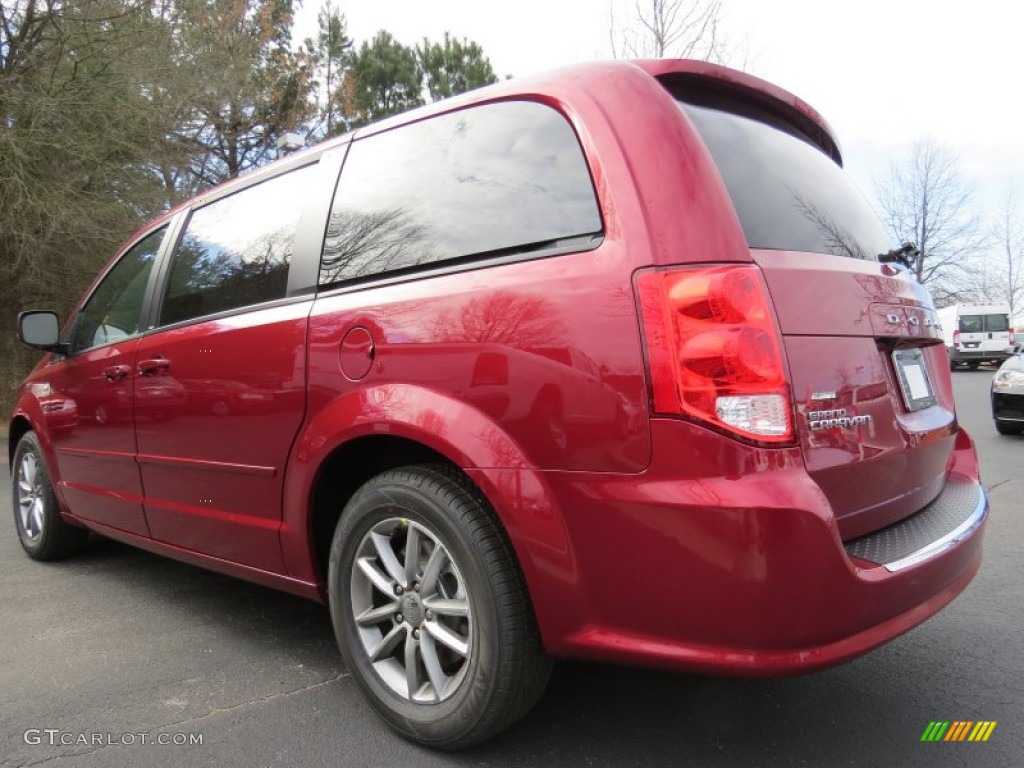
column 436, row 562
column 26, row 516
column 432, row 663
column 446, row 607
column 373, row 616
column 412, row 667
column 447, row 637
column 412, row 553
column 378, row 579
column 28, row 465
column 388, row 643
column 24, row 485
column 37, row 514
column 388, row 558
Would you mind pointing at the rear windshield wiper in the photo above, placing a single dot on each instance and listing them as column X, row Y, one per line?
column 906, row 255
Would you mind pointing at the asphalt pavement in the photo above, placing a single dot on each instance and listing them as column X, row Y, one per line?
column 119, row 647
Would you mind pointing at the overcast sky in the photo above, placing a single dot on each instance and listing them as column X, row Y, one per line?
column 882, row 72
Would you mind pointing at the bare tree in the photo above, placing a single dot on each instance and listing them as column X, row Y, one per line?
column 925, row 199
column 1001, row 281
column 1010, row 232
column 687, row 29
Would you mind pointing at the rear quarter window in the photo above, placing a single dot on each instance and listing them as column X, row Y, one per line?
column 497, row 178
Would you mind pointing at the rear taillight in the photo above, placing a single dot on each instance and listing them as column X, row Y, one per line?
column 714, row 351
column 956, row 338
column 1012, row 337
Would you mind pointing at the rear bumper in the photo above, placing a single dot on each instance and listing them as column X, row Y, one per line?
column 954, row 516
column 738, row 568
column 979, row 355
column 1008, row 405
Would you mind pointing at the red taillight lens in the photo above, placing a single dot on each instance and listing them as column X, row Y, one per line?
column 713, row 349
column 1013, row 338
column 956, row 338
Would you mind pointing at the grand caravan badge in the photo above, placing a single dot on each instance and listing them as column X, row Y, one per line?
column 833, row 419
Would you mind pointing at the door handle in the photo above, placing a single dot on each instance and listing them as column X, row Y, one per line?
column 154, row 366
column 116, row 372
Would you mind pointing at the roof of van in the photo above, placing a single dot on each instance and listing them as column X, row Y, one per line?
column 586, row 77
column 761, row 92
column 976, row 309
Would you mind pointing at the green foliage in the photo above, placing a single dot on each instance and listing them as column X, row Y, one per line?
column 384, row 80
column 244, row 84
column 329, row 53
column 453, row 66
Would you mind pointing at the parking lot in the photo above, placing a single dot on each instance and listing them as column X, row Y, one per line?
column 123, row 643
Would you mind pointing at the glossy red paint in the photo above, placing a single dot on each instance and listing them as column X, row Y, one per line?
column 643, row 539
column 905, row 452
column 739, row 551
column 215, row 421
column 95, row 451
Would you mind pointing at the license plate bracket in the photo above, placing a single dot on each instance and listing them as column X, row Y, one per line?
column 915, row 383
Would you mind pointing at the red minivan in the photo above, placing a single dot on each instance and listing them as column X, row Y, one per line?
column 609, row 363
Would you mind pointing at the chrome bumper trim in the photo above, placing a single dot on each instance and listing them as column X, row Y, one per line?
column 958, row 534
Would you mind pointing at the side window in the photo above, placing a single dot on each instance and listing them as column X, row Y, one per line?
column 113, row 311
column 236, row 251
column 500, row 177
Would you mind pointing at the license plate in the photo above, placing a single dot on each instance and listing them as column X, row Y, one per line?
column 972, row 345
column 912, row 372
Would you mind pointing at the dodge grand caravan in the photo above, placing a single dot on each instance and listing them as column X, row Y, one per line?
column 611, row 363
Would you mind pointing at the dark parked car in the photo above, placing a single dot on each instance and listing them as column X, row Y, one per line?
column 611, row 363
column 1008, row 396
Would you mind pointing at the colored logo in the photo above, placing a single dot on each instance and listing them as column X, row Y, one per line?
column 958, row 730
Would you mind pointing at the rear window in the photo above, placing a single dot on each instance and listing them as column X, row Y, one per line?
column 788, row 194
column 984, row 323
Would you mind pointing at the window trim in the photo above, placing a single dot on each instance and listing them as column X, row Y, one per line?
column 461, row 264
column 269, row 304
column 304, row 271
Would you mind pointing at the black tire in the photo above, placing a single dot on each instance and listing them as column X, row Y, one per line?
column 504, row 669
column 1009, row 429
column 47, row 535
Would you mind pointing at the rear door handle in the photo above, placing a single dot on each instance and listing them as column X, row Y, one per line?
column 154, row 366
column 116, row 372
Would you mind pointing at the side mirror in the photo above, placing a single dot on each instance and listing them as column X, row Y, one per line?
column 40, row 329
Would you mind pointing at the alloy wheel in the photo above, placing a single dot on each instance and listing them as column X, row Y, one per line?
column 411, row 610
column 31, row 501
